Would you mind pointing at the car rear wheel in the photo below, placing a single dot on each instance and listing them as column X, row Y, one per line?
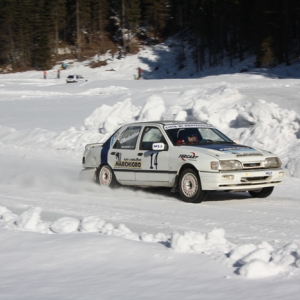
column 262, row 193
column 190, row 187
column 107, row 177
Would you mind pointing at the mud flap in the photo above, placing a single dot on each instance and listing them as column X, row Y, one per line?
column 174, row 188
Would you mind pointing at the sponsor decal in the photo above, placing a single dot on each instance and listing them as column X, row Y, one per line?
column 133, row 163
column 186, row 157
column 167, row 127
column 158, row 146
column 130, row 137
column 236, row 149
column 127, row 147
column 241, row 151
column 248, row 154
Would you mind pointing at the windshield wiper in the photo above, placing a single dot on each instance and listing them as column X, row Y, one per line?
column 208, row 141
column 226, row 142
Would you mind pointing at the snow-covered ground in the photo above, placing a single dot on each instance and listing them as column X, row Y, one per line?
column 64, row 238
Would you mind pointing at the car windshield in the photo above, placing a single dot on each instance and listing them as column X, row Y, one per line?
column 185, row 135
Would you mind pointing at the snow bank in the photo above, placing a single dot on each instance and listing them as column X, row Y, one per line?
column 65, row 225
column 7, row 216
column 29, row 219
column 153, row 109
column 258, row 268
column 91, row 224
column 263, row 261
column 191, row 241
column 258, row 124
column 250, row 261
column 108, row 118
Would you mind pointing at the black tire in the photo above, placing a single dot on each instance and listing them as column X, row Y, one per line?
column 262, row 193
column 106, row 177
column 190, row 187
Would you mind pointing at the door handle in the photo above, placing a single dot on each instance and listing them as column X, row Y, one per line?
column 140, row 154
column 112, row 153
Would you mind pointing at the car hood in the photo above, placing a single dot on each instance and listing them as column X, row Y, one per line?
column 227, row 150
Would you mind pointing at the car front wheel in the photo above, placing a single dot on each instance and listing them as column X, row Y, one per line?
column 262, row 193
column 107, row 177
column 190, row 187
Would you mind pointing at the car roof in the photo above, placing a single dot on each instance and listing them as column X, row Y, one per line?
column 167, row 122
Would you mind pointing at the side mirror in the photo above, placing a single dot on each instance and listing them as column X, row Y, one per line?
column 158, row 146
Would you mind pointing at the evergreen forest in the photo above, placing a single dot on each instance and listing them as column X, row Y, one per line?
column 33, row 32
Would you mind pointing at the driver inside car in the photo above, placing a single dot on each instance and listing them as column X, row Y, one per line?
column 187, row 138
column 193, row 138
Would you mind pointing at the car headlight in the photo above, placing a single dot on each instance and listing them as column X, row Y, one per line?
column 272, row 162
column 226, row 165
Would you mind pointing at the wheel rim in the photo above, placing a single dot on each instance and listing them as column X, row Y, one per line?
column 105, row 176
column 189, row 185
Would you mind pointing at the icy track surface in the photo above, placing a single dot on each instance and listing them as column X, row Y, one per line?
column 63, row 238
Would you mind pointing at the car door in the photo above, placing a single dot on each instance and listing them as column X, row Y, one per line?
column 155, row 164
column 122, row 156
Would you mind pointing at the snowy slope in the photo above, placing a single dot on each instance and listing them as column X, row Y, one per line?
column 64, row 238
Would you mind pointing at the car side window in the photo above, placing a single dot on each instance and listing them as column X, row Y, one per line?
column 151, row 135
column 128, row 138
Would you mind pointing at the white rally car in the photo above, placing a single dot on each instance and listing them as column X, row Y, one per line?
column 190, row 157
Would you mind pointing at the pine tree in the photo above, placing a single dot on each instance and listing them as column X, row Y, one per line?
column 133, row 16
column 99, row 10
column 57, row 13
column 24, row 29
column 7, row 35
column 40, row 54
column 156, row 14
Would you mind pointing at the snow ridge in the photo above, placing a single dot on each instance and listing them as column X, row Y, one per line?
column 248, row 260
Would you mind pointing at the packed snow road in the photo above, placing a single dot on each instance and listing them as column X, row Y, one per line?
column 54, row 185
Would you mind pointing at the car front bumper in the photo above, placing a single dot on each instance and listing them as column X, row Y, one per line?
column 241, row 180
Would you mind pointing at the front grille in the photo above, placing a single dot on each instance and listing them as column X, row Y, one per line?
column 252, row 165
